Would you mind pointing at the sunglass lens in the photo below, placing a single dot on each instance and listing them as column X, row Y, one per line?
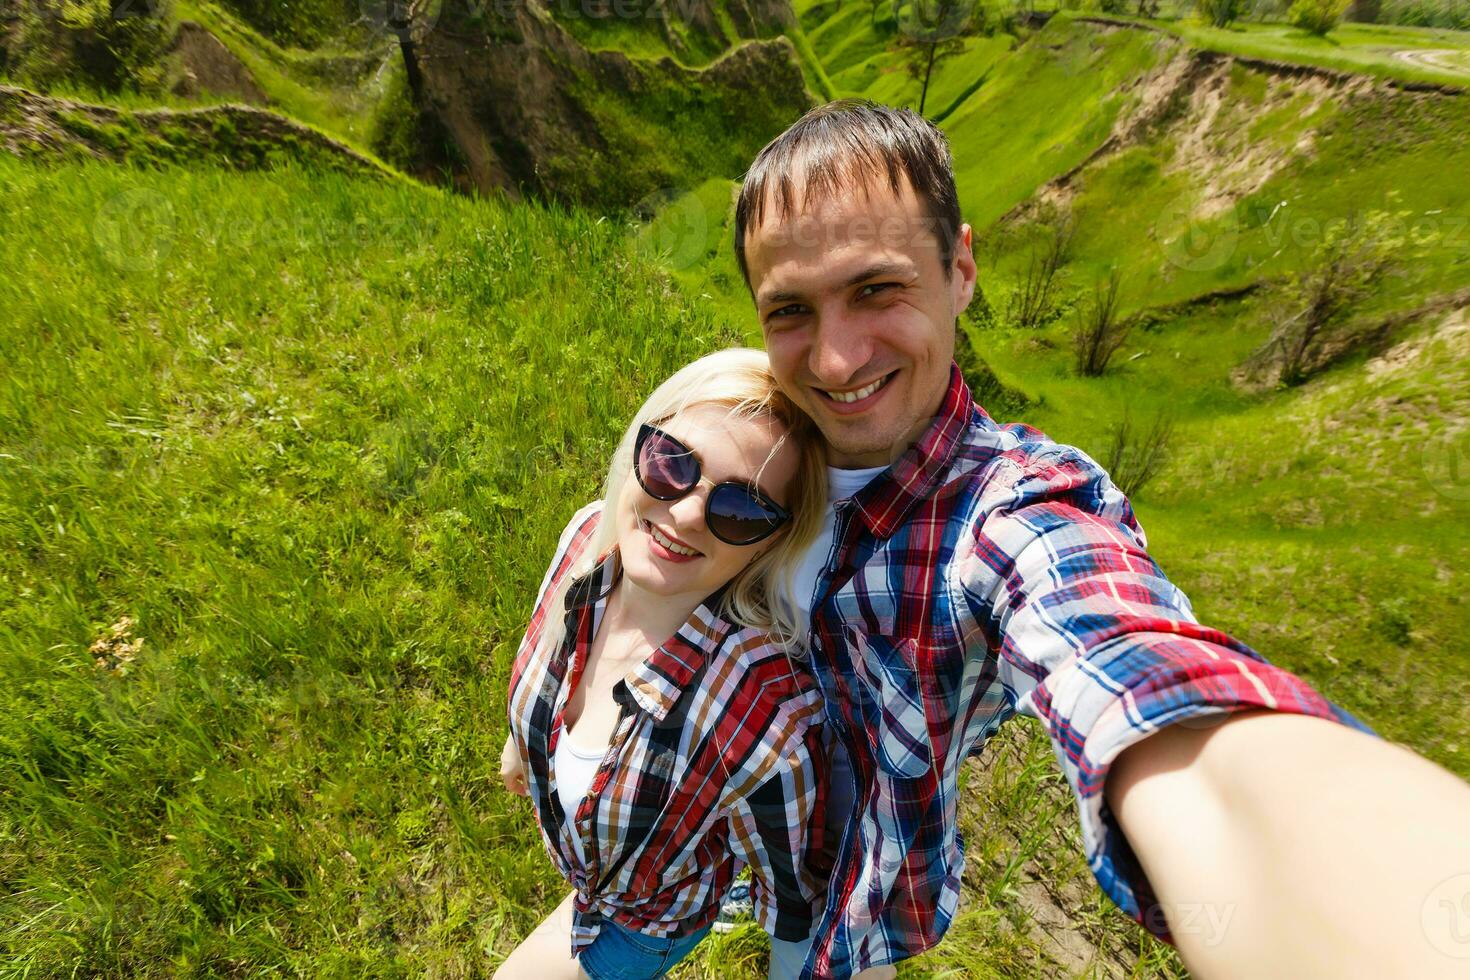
column 740, row 517
column 666, row 468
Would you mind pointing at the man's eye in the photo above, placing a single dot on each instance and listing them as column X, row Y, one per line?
column 792, row 310
column 874, row 287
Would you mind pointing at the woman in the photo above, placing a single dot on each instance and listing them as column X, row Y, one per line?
column 657, row 720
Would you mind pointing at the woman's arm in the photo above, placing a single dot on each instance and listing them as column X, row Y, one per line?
column 513, row 769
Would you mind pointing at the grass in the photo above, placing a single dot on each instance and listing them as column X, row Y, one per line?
column 277, row 420
column 1370, row 49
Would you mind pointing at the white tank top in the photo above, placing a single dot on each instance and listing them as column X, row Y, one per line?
column 574, row 768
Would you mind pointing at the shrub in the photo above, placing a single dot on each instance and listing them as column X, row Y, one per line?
column 1220, row 13
column 1313, row 316
column 1136, row 454
column 1100, row 330
column 1033, row 301
column 305, row 23
column 1316, row 16
column 104, row 44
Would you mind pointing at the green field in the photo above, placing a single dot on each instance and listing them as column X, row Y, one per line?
column 283, row 454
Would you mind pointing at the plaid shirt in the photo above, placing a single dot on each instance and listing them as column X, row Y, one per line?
column 715, row 764
column 991, row 572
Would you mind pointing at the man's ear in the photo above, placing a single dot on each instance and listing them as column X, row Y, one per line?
column 962, row 270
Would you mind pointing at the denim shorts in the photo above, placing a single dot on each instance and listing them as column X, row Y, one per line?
column 620, row 953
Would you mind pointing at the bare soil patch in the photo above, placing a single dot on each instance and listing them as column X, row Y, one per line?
column 202, row 64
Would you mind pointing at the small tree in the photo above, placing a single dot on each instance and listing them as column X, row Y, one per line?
column 1317, row 16
column 1220, row 13
column 1033, row 301
column 1136, row 454
column 1352, row 259
column 1100, row 329
column 932, row 28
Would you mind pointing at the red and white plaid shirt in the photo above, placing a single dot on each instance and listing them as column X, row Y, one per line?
column 716, row 763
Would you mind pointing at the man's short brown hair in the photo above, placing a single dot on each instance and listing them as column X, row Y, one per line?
column 844, row 145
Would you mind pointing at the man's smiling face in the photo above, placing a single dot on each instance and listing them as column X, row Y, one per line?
column 858, row 316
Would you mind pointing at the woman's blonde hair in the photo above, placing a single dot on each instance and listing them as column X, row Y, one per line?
column 740, row 381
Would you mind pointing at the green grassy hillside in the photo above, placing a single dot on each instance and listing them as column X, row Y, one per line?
column 277, row 424
column 282, row 454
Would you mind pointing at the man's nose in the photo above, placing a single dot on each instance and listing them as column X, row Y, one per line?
column 841, row 347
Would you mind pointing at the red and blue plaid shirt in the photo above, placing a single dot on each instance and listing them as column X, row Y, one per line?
column 991, row 572
column 716, row 763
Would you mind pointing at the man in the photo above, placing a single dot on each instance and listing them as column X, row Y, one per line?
column 970, row 572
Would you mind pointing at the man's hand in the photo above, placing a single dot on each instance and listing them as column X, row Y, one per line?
column 1281, row 845
column 512, row 769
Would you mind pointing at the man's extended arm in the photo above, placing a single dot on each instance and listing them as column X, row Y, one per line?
column 1285, row 845
column 1282, row 843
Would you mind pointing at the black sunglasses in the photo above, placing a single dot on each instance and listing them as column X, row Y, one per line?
column 736, row 513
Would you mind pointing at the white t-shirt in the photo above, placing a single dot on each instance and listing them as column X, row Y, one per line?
column 841, row 484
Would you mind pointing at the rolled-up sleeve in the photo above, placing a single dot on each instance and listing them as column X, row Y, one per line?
column 778, row 831
column 1095, row 642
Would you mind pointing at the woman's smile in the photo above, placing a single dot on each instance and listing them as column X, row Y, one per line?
column 668, row 547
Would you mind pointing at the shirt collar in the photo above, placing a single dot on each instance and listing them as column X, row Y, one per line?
column 885, row 503
column 665, row 675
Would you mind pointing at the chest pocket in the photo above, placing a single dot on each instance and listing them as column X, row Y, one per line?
column 893, row 696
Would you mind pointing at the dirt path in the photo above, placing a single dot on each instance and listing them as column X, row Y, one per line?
column 1453, row 60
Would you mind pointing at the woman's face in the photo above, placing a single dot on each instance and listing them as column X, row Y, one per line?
column 727, row 449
